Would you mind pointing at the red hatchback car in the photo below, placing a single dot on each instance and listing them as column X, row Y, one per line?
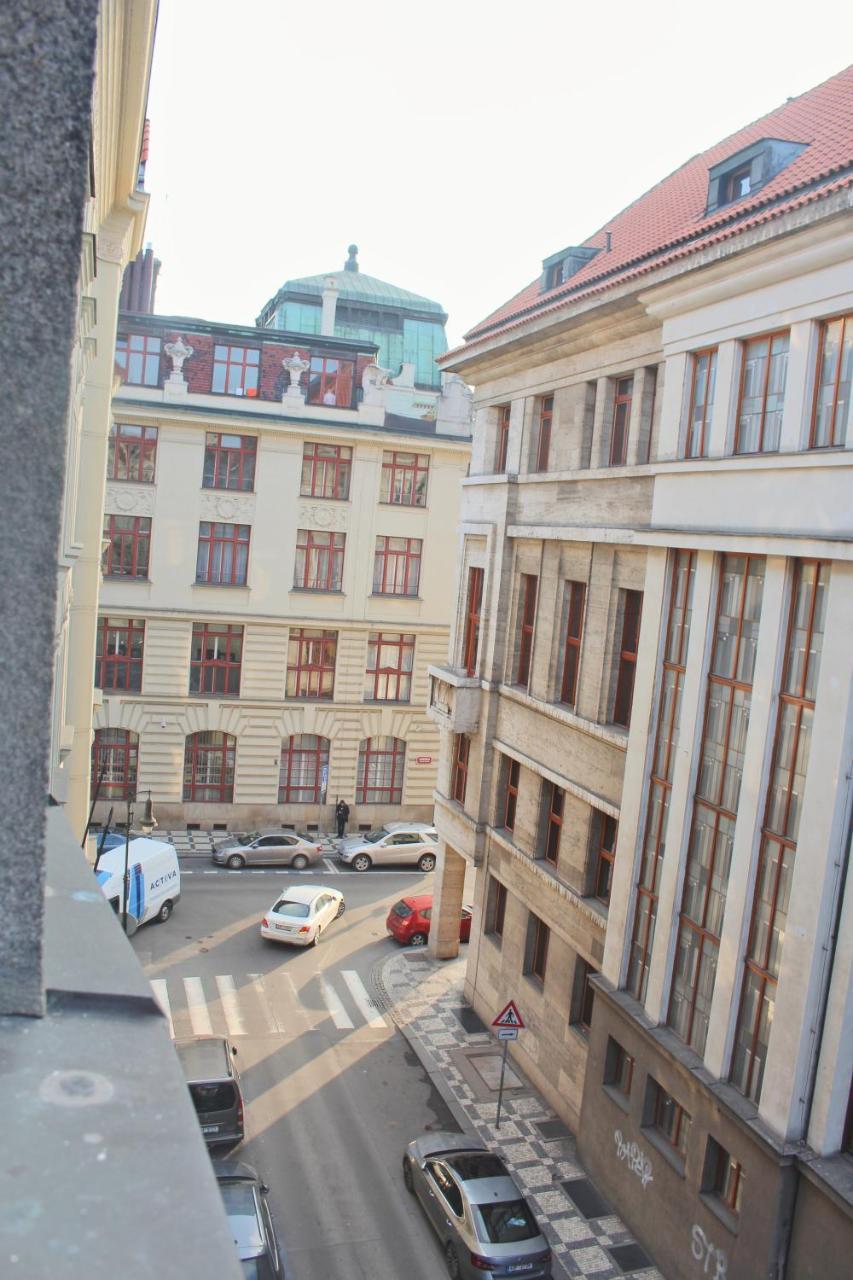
column 409, row 920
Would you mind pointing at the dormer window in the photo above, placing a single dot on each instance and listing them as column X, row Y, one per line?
column 748, row 170
column 560, row 266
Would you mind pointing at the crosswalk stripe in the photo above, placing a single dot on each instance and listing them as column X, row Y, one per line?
column 197, row 1008
column 228, row 996
column 339, row 1015
column 327, row 862
column 266, row 1002
column 161, row 995
column 359, row 994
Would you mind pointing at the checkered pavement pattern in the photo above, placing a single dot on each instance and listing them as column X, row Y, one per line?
column 425, row 999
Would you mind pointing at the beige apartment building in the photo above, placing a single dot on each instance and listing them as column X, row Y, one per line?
column 646, row 713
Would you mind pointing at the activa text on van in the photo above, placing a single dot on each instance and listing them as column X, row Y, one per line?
column 154, row 880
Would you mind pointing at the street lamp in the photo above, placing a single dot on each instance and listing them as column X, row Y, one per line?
column 149, row 822
column 126, row 867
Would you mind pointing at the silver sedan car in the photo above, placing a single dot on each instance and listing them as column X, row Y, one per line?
column 262, row 848
column 483, row 1221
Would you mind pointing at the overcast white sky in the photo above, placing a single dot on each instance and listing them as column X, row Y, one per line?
column 457, row 142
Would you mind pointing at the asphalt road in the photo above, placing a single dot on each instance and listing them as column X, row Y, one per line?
column 333, row 1092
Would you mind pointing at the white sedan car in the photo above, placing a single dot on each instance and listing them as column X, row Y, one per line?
column 302, row 914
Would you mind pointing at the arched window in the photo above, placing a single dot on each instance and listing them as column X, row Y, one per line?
column 114, row 759
column 209, row 766
column 304, row 769
column 381, row 762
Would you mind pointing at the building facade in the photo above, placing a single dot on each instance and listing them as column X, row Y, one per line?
column 278, row 552
column 647, row 718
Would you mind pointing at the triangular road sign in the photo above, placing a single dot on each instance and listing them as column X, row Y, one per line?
column 509, row 1017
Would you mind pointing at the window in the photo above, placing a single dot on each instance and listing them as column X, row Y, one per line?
column 326, row 470
column 473, row 605
column 381, row 762
column 131, row 453
column 235, row 370
column 459, row 779
column 723, row 1176
column 709, row 851
column 513, row 773
column 618, row 1068
column 573, row 605
column 319, row 560
column 496, row 907
column 536, row 952
column 209, row 767
column 215, row 659
column 447, row 1188
column 524, row 628
column 605, row 855
column 543, row 432
column 780, row 829
column 229, row 461
column 118, row 658
column 762, row 394
column 115, row 755
column 128, row 541
column 702, row 386
column 504, row 412
column 831, row 415
column 304, row 769
column 668, row 1118
column 390, row 660
column 554, row 800
column 404, row 478
column 737, row 184
column 138, row 357
column 330, row 381
column 623, row 396
column 223, row 554
column 397, row 566
column 311, row 663
column 632, row 607
column 583, row 996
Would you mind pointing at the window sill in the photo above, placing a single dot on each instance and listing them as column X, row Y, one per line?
column 721, row 1211
column 198, row 693
column 227, row 586
column 660, row 1144
column 317, row 591
column 324, row 497
column 393, row 595
column 125, row 577
column 386, row 702
column 225, row 488
column 131, row 480
column 404, row 506
column 622, row 1101
column 309, row 697
column 535, row 983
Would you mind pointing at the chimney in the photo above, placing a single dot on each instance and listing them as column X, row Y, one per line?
column 330, row 303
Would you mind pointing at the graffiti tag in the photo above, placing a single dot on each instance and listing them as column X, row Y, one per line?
column 704, row 1251
column 635, row 1158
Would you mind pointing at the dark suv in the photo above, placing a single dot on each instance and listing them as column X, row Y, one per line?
column 214, row 1085
column 244, row 1196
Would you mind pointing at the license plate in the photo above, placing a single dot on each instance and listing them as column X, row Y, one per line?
column 283, row 928
column 515, row 1267
column 210, row 1128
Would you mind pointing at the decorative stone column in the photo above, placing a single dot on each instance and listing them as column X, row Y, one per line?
column 295, row 366
column 448, row 889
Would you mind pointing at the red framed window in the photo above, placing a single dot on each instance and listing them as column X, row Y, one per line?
column 543, row 432
column 311, row 658
column 703, row 381
column 303, row 776
column 138, row 359
column 623, row 396
column 473, row 605
column 524, row 628
column 764, row 369
column 223, row 554
column 513, row 774
column 229, row 461
column 215, row 658
column 669, row 1118
column 555, row 800
column 397, row 566
column 115, row 757
column 538, row 936
column 235, row 370
column 832, row 399
column 632, row 608
column 459, row 778
column 132, row 453
column 209, row 759
column 608, row 829
column 723, row 1176
column 390, row 661
column 584, row 996
column 502, row 448
column 381, row 765
column 326, row 471
column 128, row 546
column 618, row 1068
column 575, row 598
column 404, row 478
column 118, row 655
column 319, row 562
column 331, row 381
column 496, row 907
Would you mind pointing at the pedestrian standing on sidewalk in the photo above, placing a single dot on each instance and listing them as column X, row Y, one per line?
column 342, row 817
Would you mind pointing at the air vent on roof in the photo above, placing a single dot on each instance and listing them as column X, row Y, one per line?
column 561, row 266
column 748, row 170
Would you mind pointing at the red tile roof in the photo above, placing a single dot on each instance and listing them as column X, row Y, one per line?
column 669, row 221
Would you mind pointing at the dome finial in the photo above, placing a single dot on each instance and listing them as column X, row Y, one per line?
column 351, row 263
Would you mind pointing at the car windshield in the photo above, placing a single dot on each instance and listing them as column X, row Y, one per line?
column 212, row 1097
column 402, row 909
column 285, row 908
column 373, row 836
column 508, row 1222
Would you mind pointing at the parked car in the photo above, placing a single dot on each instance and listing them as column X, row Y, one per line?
column 407, row 843
column 214, row 1085
column 485, row 1225
column 245, row 1198
column 409, row 920
column 302, row 914
column 260, row 847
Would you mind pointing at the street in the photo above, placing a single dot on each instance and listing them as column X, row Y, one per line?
column 332, row 1091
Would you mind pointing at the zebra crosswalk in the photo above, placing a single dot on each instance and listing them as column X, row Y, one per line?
column 256, row 1004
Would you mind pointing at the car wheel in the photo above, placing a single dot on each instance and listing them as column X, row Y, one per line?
column 407, row 1175
column 361, row 862
column 235, row 862
column 342, row 906
column 418, row 940
column 426, row 862
column 315, row 941
column 300, row 862
column 451, row 1260
column 164, row 912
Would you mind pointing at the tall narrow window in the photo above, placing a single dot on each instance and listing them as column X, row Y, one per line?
column 631, row 613
column 762, row 393
column 215, row 658
column 780, row 830
column 681, row 577
column 397, row 566
column 331, row 381
column 575, row 595
column 668, row 1117
column 524, row 628
column 304, row 770
column 115, row 754
column 235, row 370
column 723, row 1176
column 404, row 478
column 326, row 470
column 319, row 564
column 223, row 554
column 131, row 453
column 381, row 762
column 831, row 416
column 583, row 997
column 118, row 662
column 390, row 660
column 608, row 829
column 702, row 387
column 473, row 605
column 716, row 797
column 209, row 759
column 502, row 448
column 555, row 799
column 496, row 907
column 128, row 540
column 229, row 461
column 459, row 777
column 543, row 432
column 138, row 358
column 513, row 773
column 623, row 395
column 536, row 954
column 311, row 663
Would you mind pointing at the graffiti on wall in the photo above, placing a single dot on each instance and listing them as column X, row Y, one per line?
column 635, row 1158
column 714, row 1263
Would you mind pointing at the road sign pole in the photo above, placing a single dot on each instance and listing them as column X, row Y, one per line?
column 501, row 1085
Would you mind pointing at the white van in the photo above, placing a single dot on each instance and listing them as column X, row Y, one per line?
column 154, row 880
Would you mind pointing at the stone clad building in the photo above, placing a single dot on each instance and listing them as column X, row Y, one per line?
column 646, row 713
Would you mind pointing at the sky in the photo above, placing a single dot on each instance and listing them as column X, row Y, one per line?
column 457, row 142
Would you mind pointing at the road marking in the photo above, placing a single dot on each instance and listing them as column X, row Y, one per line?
column 197, row 1007
column 327, row 862
column 161, row 995
column 228, row 996
column 261, row 996
column 340, row 1017
column 365, row 1003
